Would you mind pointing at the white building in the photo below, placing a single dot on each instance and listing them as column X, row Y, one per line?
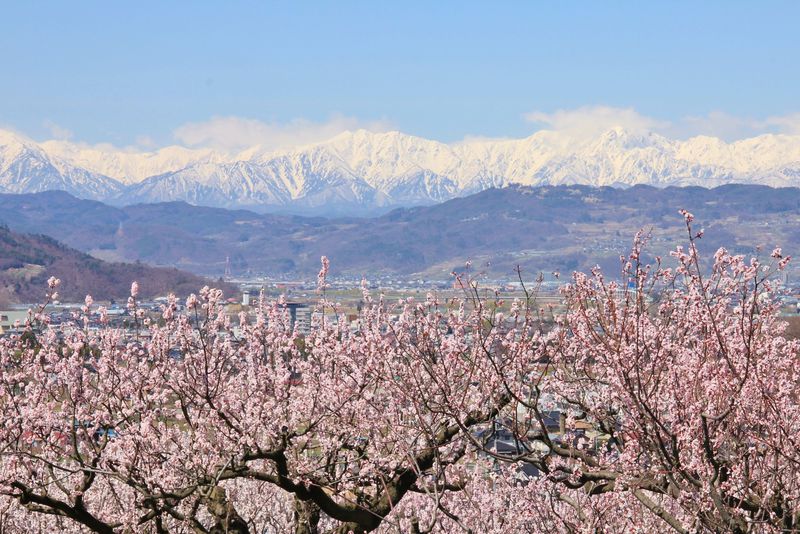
column 9, row 317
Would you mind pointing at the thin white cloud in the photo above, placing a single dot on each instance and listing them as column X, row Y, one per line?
column 470, row 139
column 144, row 142
column 589, row 121
column 731, row 127
column 233, row 134
column 787, row 124
column 237, row 133
column 714, row 124
column 57, row 131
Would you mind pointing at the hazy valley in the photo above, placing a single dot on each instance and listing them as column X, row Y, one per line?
column 559, row 228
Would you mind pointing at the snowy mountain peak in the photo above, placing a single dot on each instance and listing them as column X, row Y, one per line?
column 363, row 171
column 25, row 167
column 12, row 145
column 129, row 166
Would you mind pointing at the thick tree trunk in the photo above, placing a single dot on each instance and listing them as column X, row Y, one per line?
column 226, row 518
column 306, row 517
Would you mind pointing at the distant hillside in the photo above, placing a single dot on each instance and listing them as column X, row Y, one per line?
column 540, row 228
column 27, row 261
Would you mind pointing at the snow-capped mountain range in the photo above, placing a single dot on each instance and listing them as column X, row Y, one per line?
column 361, row 171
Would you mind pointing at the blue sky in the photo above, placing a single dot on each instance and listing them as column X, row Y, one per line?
column 139, row 72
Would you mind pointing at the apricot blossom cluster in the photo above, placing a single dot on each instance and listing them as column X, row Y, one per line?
column 668, row 400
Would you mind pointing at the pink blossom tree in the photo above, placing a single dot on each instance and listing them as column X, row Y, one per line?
column 678, row 394
column 669, row 401
column 199, row 426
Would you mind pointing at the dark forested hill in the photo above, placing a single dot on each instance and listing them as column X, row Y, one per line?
column 27, row 261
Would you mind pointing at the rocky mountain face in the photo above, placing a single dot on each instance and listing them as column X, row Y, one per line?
column 25, row 167
column 363, row 172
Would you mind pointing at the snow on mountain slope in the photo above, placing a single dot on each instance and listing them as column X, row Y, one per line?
column 754, row 155
column 26, row 168
column 128, row 166
column 362, row 171
column 225, row 185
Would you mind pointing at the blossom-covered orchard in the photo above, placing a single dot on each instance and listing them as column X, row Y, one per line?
column 669, row 402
